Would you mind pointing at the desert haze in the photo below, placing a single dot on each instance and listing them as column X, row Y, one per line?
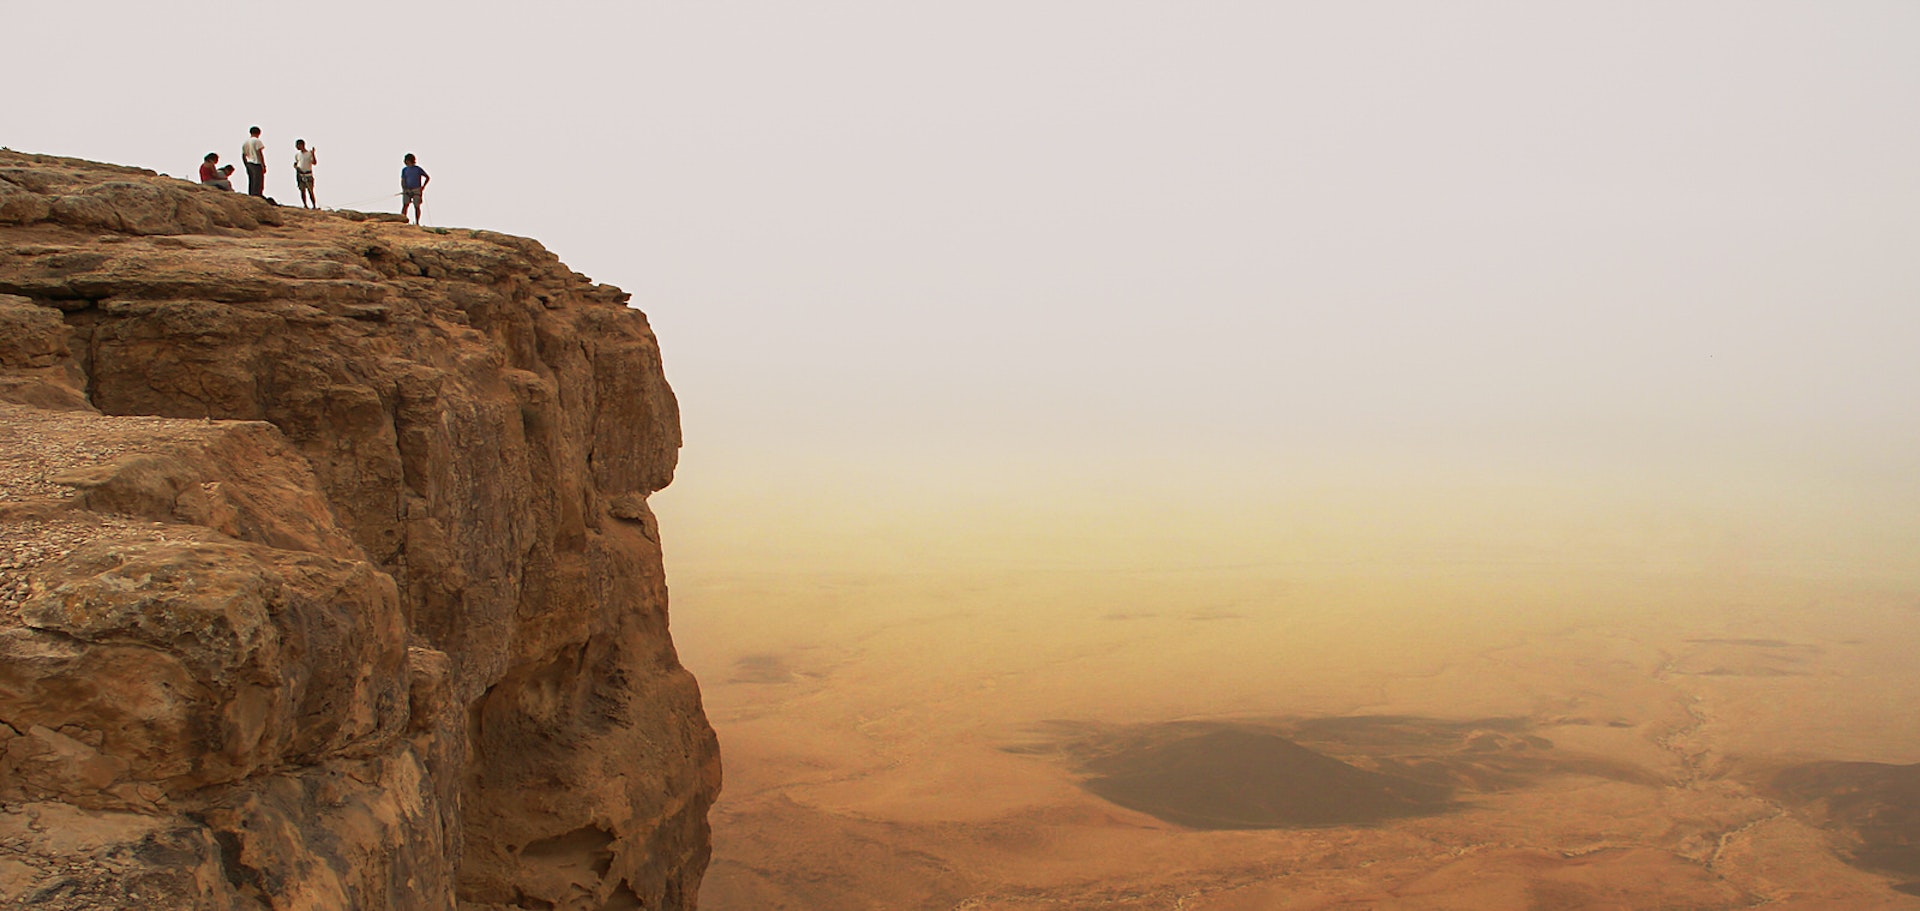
column 1381, row 687
column 1156, row 454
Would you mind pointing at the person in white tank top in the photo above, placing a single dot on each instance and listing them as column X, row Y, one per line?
column 303, row 161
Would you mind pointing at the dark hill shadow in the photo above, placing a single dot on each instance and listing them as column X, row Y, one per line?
column 1878, row 802
column 1304, row 773
column 1221, row 777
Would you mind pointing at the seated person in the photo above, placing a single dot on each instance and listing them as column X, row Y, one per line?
column 213, row 175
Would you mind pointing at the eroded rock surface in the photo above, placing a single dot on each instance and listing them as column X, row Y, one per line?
column 327, row 578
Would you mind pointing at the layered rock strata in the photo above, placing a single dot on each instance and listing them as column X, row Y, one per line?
column 327, row 574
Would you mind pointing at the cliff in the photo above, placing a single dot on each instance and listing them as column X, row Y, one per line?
column 327, row 574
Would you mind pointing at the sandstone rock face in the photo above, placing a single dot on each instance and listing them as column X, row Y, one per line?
column 327, row 577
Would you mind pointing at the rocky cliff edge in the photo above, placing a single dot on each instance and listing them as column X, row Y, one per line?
column 327, row 575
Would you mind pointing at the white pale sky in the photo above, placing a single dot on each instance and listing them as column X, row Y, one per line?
column 1140, row 237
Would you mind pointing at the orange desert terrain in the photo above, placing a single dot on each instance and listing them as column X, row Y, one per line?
column 1397, row 697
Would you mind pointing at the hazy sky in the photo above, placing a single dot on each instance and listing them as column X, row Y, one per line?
column 913, row 245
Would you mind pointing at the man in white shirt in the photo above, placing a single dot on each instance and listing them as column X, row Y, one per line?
column 303, row 161
column 253, row 154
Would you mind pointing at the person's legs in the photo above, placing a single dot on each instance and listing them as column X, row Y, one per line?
column 256, row 179
column 222, row 183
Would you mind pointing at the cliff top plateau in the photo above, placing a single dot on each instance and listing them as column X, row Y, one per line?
column 327, row 574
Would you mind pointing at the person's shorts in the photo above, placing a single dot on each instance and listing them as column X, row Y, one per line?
column 303, row 179
column 409, row 197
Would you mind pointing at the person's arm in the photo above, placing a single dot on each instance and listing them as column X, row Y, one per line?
column 425, row 179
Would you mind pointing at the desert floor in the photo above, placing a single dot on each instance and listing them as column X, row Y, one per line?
column 1647, row 719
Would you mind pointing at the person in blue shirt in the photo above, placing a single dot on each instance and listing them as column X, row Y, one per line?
column 413, row 185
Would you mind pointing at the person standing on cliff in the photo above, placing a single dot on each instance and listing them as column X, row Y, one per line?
column 253, row 154
column 303, row 161
column 413, row 186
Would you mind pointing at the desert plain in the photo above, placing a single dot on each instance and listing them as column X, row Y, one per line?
column 1370, row 693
